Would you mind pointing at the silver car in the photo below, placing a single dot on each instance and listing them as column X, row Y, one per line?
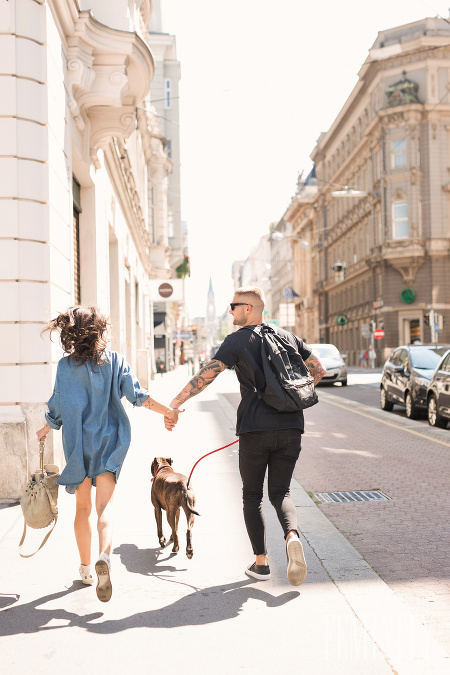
column 334, row 363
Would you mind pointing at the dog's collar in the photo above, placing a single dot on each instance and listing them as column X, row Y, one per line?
column 163, row 466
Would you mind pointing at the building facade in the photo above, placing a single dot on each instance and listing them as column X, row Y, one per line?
column 85, row 174
column 383, row 247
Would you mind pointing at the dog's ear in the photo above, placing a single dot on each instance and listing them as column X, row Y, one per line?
column 153, row 466
column 169, row 461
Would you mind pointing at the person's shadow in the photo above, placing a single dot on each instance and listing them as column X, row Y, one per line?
column 202, row 606
column 28, row 618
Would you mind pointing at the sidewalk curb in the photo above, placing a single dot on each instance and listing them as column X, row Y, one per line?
column 384, row 617
column 391, row 626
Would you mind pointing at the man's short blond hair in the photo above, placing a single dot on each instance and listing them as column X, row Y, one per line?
column 255, row 292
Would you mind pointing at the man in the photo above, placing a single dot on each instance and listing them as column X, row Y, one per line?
column 268, row 439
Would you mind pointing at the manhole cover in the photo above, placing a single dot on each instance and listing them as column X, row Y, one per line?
column 351, row 496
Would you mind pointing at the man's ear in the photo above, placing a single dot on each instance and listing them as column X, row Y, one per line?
column 170, row 461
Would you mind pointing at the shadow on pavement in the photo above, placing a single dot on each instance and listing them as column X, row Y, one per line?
column 145, row 560
column 28, row 619
column 208, row 605
column 203, row 606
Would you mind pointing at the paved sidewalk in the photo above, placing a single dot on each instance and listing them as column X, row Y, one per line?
column 343, row 617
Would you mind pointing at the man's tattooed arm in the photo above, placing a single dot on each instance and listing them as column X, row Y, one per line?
column 205, row 376
column 315, row 368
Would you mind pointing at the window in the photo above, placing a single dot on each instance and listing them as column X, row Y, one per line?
column 167, row 94
column 76, row 194
column 400, row 227
column 398, row 153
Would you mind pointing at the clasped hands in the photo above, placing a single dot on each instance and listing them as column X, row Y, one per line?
column 171, row 418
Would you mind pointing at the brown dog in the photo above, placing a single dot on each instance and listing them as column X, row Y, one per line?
column 170, row 491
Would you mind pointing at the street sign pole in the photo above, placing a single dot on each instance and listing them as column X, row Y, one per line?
column 433, row 326
column 372, row 351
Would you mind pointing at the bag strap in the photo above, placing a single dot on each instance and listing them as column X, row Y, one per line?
column 43, row 542
column 54, row 509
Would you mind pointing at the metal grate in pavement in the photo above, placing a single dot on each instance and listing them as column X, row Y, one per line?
column 351, row 496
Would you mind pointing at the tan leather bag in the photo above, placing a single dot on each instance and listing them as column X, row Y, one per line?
column 39, row 499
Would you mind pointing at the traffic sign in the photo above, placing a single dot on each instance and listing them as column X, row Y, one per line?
column 182, row 336
column 378, row 333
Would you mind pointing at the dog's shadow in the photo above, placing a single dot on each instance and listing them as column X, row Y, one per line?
column 146, row 561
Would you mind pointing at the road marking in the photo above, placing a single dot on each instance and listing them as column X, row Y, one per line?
column 388, row 424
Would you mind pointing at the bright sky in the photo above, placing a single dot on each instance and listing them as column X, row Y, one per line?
column 260, row 80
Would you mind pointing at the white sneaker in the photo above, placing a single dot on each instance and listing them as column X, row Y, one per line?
column 296, row 571
column 103, row 570
column 86, row 574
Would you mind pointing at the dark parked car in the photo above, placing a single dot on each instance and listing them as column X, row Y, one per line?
column 407, row 375
column 438, row 398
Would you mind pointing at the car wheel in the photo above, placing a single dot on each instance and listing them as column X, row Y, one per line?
column 384, row 403
column 344, row 382
column 433, row 416
column 411, row 410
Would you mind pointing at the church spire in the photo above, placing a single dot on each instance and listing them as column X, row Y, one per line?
column 211, row 316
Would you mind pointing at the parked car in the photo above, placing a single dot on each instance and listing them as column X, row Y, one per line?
column 438, row 397
column 406, row 377
column 334, row 363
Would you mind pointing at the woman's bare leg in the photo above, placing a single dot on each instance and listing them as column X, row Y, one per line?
column 82, row 524
column 106, row 484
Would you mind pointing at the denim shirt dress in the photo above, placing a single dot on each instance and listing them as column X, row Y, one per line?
column 96, row 431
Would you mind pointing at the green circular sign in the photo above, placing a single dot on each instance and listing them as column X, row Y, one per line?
column 408, row 295
column 342, row 319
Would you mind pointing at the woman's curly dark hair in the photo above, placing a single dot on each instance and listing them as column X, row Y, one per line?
column 82, row 333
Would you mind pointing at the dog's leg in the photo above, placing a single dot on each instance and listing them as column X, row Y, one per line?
column 158, row 517
column 172, row 518
column 190, row 525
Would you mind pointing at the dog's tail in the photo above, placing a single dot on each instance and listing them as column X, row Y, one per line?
column 189, row 499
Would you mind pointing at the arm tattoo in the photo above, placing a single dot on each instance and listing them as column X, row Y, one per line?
column 315, row 368
column 205, row 376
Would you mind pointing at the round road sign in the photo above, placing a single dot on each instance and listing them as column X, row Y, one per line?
column 378, row 333
column 165, row 290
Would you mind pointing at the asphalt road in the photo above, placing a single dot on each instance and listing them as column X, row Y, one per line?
column 351, row 444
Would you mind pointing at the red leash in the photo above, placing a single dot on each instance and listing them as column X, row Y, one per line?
column 209, row 453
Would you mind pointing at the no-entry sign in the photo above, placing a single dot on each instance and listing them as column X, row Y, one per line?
column 378, row 333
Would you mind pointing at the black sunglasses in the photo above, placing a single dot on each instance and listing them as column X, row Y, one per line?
column 235, row 304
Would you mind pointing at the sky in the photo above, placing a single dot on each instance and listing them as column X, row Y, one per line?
column 260, row 80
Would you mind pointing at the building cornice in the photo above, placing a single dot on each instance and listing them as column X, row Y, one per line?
column 119, row 168
column 107, row 68
column 438, row 49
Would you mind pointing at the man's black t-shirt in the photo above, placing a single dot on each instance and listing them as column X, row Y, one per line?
column 242, row 350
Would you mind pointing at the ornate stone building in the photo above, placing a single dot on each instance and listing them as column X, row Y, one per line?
column 84, row 197
column 380, row 251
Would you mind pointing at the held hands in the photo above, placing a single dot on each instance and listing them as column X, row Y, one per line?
column 171, row 418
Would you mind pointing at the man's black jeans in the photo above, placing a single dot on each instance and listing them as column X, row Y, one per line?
column 278, row 451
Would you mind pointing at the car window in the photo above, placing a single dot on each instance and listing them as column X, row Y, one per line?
column 325, row 351
column 426, row 359
column 446, row 364
column 404, row 359
column 395, row 358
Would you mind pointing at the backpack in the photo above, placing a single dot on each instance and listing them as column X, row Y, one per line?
column 289, row 384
